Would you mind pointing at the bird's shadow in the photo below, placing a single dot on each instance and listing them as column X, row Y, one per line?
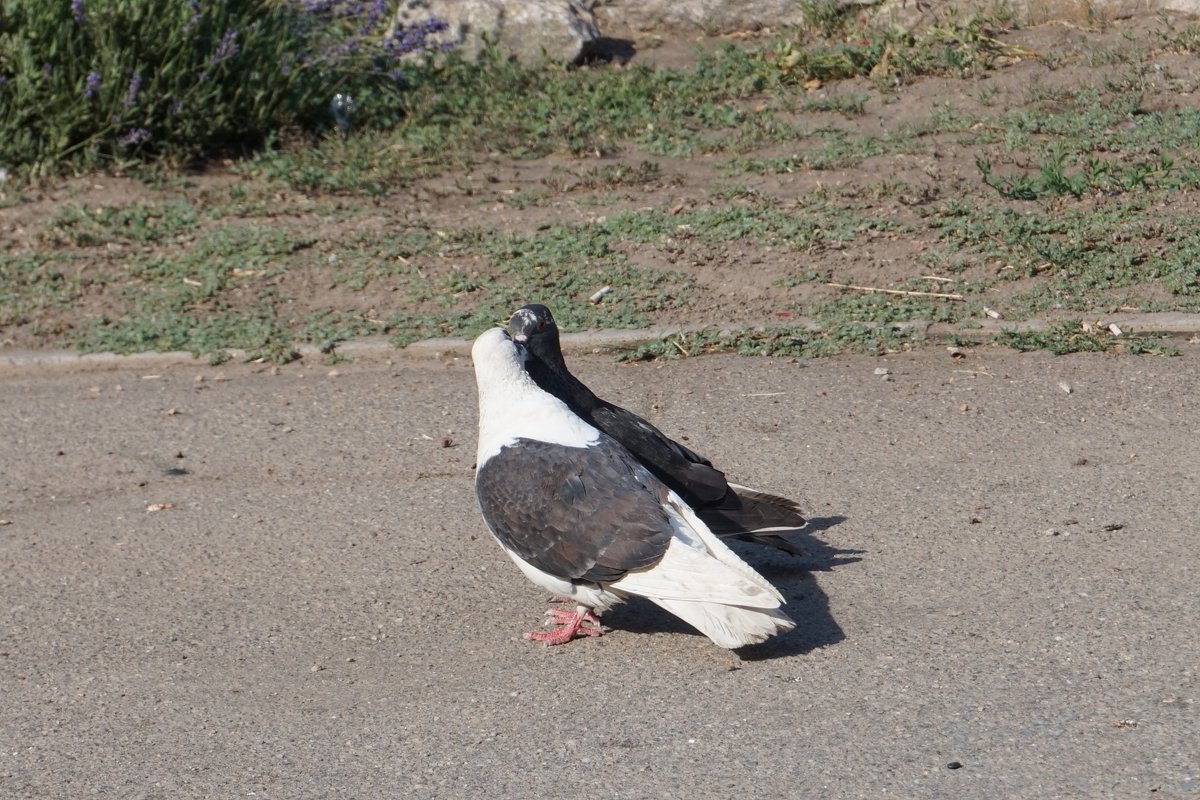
column 807, row 603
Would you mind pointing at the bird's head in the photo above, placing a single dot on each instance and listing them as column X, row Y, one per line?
column 533, row 327
column 530, row 321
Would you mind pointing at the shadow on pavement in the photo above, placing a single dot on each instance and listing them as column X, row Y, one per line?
column 807, row 603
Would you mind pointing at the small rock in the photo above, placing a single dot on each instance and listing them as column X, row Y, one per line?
column 533, row 31
column 882, row 371
column 954, row 765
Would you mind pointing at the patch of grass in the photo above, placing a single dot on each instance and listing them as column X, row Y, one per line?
column 801, row 228
column 826, row 19
column 338, row 164
column 1055, row 177
column 31, row 284
column 559, row 266
column 1178, row 40
column 327, row 328
column 1077, row 205
column 1072, row 336
column 829, row 148
column 612, row 176
column 180, row 301
column 783, row 341
column 1082, row 124
column 526, row 198
column 140, row 223
column 882, row 309
column 849, row 104
column 526, row 111
column 951, row 46
column 1084, row 253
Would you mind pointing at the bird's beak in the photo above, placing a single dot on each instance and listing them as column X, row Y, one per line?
column 518, row 326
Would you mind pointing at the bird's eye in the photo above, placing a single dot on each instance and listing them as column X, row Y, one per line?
column 541, row 325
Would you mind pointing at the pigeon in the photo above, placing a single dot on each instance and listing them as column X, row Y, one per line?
column 583, row 519
column 729, row 510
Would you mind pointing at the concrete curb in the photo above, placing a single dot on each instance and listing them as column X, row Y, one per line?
column 378, row 348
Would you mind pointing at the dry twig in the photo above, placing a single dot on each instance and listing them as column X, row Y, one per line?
column 944, row 295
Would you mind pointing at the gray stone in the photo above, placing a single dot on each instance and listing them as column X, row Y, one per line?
column 713, row 16
column 531, row 30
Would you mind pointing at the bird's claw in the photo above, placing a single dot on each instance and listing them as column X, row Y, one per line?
column 567, row 625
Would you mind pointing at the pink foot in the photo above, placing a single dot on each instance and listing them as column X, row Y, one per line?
column 568, row 625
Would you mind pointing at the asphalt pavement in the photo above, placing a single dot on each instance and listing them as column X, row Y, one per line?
column 246, row 581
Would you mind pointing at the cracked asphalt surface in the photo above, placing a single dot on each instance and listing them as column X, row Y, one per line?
column 255, row 582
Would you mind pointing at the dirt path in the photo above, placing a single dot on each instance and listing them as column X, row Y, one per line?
column 274, row 583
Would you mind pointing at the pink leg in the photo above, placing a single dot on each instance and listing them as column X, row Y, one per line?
column 568, row 625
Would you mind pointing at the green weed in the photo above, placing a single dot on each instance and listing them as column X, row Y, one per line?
column 140, row 223
column 849, row 104
column 101, row 83
column 783, row 341
column 1072, row 336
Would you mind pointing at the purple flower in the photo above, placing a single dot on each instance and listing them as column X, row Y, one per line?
column 341, row 50
column 319, row 7
column 77, row 10
column 375, row 12
column 195, row 20
column 135, row 85
column 133, row 137
column 91, row 85
column 226, row 49
column 413, row 38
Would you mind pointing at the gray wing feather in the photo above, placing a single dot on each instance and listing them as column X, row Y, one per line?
column 589, row 514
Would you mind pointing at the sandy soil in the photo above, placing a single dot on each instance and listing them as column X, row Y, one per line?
column 736, row 280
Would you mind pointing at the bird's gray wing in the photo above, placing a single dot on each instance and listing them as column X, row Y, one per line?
column 581, row 513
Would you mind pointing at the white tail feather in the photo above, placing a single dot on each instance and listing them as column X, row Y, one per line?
column 729, row 626
column 703, row 582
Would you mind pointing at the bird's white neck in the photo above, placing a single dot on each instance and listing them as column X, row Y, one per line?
column 512, row 406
